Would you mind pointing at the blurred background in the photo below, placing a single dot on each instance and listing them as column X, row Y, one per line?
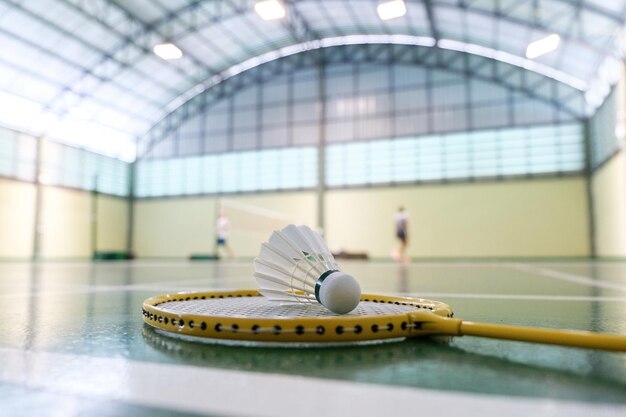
column 127, row 126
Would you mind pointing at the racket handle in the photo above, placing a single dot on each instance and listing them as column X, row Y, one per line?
column 426, row 323
column 575, row 338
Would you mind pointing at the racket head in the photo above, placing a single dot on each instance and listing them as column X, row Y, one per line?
column 245, row 317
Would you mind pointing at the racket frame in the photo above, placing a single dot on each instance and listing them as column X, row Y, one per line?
column 340, row 328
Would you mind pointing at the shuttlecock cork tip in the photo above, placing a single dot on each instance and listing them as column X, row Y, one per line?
column 338, row 292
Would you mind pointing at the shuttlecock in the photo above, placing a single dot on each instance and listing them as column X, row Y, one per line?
column 296, row 265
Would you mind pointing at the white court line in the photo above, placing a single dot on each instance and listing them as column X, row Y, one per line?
column 125, row 264
column 564, row 276
column 172, row 288
column 141, row 263
column 480, row 264
column 167, row 286
column 620, row 264
column 525, row 297
column 237, row 393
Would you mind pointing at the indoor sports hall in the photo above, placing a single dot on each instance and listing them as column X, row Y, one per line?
column 462, row 161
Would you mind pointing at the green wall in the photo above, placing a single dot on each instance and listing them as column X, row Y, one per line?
column 66, row 222
column 525, row 218
column 609, row 196
column 254, row 217
column 112, row 221
column 17, row 219
column 534, row 218
column 541, row 217
column 179, row 227
column 608, row 182
column 173, row 228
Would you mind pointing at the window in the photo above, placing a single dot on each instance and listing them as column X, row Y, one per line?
column 490, row 153
column 270, row 169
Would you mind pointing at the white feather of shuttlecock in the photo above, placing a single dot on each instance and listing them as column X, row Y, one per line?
column 291, row 262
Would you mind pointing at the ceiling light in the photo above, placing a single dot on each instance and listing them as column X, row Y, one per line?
column 167, row 51
column 543, row 46
column 391, row 9
column 270, row 9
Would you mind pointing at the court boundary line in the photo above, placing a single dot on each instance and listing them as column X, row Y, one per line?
column 204, row 390
column 175, row 289
column 520, row 297
column 565, row 276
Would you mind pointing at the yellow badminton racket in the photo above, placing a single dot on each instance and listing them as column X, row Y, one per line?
column 246, row 316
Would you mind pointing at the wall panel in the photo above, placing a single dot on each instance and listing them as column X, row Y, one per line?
column 17, row 219
column 538, row 218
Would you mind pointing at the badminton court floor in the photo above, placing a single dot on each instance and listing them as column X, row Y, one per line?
column 73, row 343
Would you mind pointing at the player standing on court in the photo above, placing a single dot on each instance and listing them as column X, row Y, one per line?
column 401, row 220
column 222, row 226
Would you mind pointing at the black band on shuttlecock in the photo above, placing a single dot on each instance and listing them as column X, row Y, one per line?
column 321, row 279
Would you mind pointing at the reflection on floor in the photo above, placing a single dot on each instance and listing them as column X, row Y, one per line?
column 88, row 316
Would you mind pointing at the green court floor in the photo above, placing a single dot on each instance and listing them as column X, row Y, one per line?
column 74, row 343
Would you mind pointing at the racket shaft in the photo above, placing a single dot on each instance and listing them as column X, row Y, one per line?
column 574, row 338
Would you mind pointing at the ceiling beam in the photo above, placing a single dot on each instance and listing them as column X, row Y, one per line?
column 297, row 25
column 434, row 31
column 373, row 53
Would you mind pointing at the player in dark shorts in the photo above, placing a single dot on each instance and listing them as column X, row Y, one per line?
column 401, row 220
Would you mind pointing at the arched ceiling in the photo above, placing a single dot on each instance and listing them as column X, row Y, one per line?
column 84, row 71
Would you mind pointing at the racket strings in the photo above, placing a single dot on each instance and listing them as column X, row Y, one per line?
column 261, row 307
